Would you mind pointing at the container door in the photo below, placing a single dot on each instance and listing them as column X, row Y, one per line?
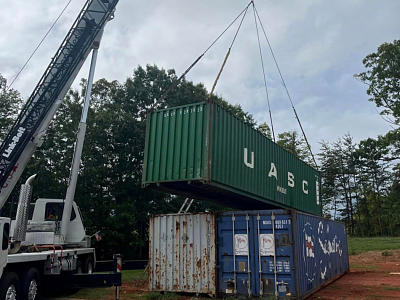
column 236, row 262
column 274, row 255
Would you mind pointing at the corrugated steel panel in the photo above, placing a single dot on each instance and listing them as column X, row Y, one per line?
column 277, row 252
column 204, row 151
column 321, row 253
column 176, row 144
column 182, row 254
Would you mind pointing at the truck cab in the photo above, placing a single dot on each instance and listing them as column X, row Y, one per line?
column 44, row 226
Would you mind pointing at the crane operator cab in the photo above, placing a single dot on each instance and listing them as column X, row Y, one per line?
column 44, row 226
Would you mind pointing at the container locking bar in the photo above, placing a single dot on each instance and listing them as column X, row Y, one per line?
column 234, row 255
column 248, row 258
column 259, row 256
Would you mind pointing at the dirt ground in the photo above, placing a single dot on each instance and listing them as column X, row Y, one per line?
column 373, row 275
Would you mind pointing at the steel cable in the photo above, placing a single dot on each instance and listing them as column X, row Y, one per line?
column 165, row 94
column 228, row 53
column 284, row 84
column 263, row 70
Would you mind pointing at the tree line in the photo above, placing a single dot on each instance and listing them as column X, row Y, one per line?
column 360, row 180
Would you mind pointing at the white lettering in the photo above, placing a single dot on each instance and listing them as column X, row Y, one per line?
column 273, row 172
column 290, row 178
column 281, row 190
column 317, row 191
column 305, row 187
column 14, row 142
column 245, row 156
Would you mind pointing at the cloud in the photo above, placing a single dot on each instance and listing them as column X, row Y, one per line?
column 319, row 46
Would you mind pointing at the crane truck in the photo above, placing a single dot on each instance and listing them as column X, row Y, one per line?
column 52, row 244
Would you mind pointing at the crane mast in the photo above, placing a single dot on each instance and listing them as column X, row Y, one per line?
column 30, row 127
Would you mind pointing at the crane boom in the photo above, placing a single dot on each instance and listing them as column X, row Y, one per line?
column 28, row 130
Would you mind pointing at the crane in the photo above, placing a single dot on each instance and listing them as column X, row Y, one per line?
column 41, row 246
column 28, row 131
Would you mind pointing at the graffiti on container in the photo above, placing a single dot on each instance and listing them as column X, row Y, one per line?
column 327, row 245
column 241, row 244
column 273, row 172
column 308, row 252
column 267, row 247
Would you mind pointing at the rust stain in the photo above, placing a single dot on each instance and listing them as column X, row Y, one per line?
column 192, row 267
column 198, row 264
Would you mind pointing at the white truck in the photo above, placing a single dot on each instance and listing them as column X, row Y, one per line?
column 51, row 248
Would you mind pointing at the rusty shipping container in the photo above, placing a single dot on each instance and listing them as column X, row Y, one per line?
column 203, row 151
column 264, row 253
column 182, row 254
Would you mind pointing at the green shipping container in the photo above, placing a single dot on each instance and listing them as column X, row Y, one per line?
column 203, row 151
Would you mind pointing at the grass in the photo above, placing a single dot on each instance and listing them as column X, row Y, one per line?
column 100, row 293
column 359, row 245
column 392, row 288
column 129, row 275
column 364, row 267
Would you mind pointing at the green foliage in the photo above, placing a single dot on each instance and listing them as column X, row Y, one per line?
column 109, row 190
column 361, row 182
column 359, row 245
column 359, row 186
column 265, row 130
column 10, row 104
column 294, row 143
column 383, row 78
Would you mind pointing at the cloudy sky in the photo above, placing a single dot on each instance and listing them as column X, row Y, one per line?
column 319, row 46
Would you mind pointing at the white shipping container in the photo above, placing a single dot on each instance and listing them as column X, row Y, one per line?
column 182, row 254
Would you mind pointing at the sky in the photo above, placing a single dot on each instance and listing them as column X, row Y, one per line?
column 319, row 46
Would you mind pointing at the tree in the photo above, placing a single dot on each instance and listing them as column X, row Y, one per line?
column 265, row 130
column 383, row 78
column 291, row 141
column 109, row 190
column 10, row 104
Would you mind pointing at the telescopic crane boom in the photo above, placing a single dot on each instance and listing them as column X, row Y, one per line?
column 28, row 130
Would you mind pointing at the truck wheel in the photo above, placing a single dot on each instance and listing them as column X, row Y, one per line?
column 9, row 287
column 31, row 284
column 88, row 265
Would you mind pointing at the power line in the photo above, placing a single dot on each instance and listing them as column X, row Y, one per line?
column 38, row 46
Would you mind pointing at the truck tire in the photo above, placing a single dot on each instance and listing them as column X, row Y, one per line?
column 9, row 287
column 88, row 265
column 30, row 286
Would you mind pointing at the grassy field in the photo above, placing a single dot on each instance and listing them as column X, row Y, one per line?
column 360, row 245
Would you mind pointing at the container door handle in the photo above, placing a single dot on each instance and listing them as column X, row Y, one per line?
column 248, row 258
column 259, row 256
column 273, row 234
